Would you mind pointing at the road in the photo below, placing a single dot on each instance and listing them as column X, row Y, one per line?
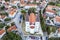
column 18, row 25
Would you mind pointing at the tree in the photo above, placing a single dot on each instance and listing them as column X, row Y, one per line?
column 11, row 36
column 2, row 25
column 0, row 21
column 51, row 3
column 7, row 19
column 32, row 9
column 58, row 5
column 7, row 0
column 24, row 14
column 48, row 30
column 6, row 13
column 23, row 11
column 14, row 7
column 2, row 7
column 12, row 24
column 54, row 38
column 42, row 22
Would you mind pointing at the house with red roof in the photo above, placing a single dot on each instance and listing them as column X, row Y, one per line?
column 2, row 32
column 12, row 12
column 12, row 28
column 57, row 20
column 50, row 13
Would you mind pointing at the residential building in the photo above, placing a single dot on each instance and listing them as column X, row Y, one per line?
column 50, row 13
column 12, row 12
column 57, row 20
column 2, row 32
column 12, row 28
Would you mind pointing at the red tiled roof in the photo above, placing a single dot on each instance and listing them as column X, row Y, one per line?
column 12, row 28
column 52, row 11
column 2, row 31
column 32, row 17
column 51, row 6
column 57, row 18
column 12, row 11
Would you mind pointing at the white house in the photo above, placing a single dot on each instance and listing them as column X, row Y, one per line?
column 33, row 24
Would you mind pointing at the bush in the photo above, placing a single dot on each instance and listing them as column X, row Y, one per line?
column 31, row 10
